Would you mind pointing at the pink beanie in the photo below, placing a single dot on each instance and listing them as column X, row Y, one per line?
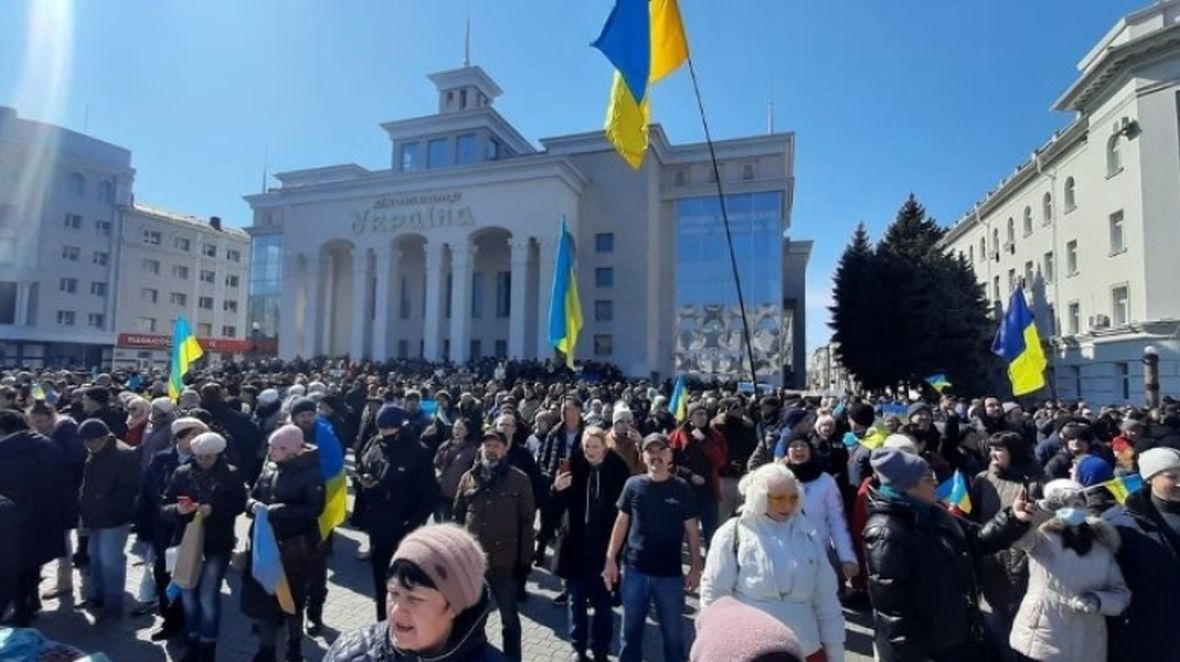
column 731, row 630
column 287, row 438
column 451, row 558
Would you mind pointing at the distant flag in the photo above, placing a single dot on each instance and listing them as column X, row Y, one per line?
column 565, row 308
column 38, row 392
column 954, row 493
column 938, row 382
column 645, row 41
column 1018, row 343
column 1123, row 487
column 185, row 351
column 873, row 439
column 266, row 565
column 678, row 403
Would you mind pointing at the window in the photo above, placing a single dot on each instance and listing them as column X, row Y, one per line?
column 492, row 150
column 68, row 285
column 1011, row 234
column 982, row 248
column 73, row 221
column 233, row 255
column 65, row 317
column 1071, row 258
column 681, row 178
column 151, row 266
column 1028, row 274
column 77, row 185
column 103, row 228
column 106, row 192
column 95, row 319
column 1114, row 156
column 476, row 295
column 205, row 303
column 403, row 349
column 1118, row 242
column 604, row 242
column 1120, row 306
column 503, row 294
column 232, row 281
column 437, row 154
column 229, row 332
column 182, row 244
column 748, row 171
column 150, row 295
column 996, row 289
column 465, row 149
column 98, row 289
column 996, row 244
column 1071, row 200
column 209, row 250
column 146, row 324
column 100, row 258
column 604, row 310
column 411, row 159
column 204, row 329
column 70, row 253
column 180, row 271
column 603, row 344
column 1047, row 208
column 501, row 349
column 208, row 276
column 178, row 299
column 1122, row 374
column 1073, row 318
column 151, row 237
column 971, row 254
column 1047, row 267
column 1028, row 226
column 604, row 277
column 1011, row 280
column 8, row 302
column 230, row 306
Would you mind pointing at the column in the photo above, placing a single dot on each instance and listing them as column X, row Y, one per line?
column 360, row 299
column 462, row 261
column 383, row 274
column 329, row 306
column 313, row 316
column 22, row 303
column 546, row 254
column 518, row 317
column 432, row 329
column 289, row 331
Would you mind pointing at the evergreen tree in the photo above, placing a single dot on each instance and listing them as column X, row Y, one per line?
column 857, row 303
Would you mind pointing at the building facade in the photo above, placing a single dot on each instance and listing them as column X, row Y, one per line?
column 1088, row 224
column 172, row 264
column 825, row 374
column 449, row 253
column 60, row 195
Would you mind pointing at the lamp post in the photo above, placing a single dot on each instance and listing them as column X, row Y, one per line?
column 255, row 332
column 1151, row 376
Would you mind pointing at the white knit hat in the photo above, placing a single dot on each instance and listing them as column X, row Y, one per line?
column 1155, row 460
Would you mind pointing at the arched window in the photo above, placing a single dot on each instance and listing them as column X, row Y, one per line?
column 106, row 192
column 996, row 243
column 1070, row 194
column 77, row 185
column 1047, row 207
column 1011, row 232
column 1114, row 156
column 971, row 253
column 1027, row 225
column 982, row 248
column 1028, row 216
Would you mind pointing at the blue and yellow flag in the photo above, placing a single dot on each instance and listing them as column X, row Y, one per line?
column 1019, row 344
column 954, row 493
column 1123, row 487
column 678, row 403
column 331, row 455
column 938, row 382
column 266, row 566
column 185, row 351
column 645, row 41
column 565, row 308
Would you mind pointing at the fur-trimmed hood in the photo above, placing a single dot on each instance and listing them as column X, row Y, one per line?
column 1104, row 533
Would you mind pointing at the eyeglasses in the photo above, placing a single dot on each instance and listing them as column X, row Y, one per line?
column 782, row 498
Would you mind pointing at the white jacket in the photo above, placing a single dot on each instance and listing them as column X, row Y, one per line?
column 825, row 509
column 782, row 569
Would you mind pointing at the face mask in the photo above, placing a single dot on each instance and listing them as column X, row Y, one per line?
column 1071, row 516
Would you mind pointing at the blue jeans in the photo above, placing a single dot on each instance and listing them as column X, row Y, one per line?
column 589, row 591
column 202, row 605
column 108, row 566
column 639, row 591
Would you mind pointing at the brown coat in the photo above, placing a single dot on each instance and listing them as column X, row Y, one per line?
column 628, row 450
column 498, row 510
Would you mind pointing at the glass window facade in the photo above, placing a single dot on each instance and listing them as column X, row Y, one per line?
column 709, row 339
column 266, row 275
column 411, row 160
column 465, row 149
column 438, row 154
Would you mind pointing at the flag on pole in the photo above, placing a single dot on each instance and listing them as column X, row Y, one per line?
column 1124, row 486
column 1018, row 343
column 645, row 41
column 185, row 351
column 678, row 403
column 954, row 493
column 565, row 308
column 938, row 382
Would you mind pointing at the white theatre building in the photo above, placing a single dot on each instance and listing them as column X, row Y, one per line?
column 1090, row 223
column 449, row 253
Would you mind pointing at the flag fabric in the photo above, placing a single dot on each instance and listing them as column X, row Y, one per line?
column 185, row 350
column 954, row 492
column 331, row 454
column 678, row 403
column 38, row 392
column 938, row 382
column 266, row 566
column 1019, row 344
column 873, row 438
column 644, row 40
column 565, row 308
column 1123, row 487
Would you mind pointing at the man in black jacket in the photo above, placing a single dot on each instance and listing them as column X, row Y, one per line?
column 243, row 435
column 96, row 404
column 563, row 442
column 397, row 479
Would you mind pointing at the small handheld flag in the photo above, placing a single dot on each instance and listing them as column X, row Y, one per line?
column 565, row 308
column 954, row 492
column 1122, row 487
column 1018, row 343
column 678, row 403
column 185, row 351
column 938, row 382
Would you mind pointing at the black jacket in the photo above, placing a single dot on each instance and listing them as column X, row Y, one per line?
column 243, row 436
column 1150, row 560
column 36, row 478
column 588, row 511
column 221, row 487
column 10, row 565
column 150, row 525
column 519, row 457
column 406, row 491
column 111, row 481
column 294, row 490
column 921, row 575
column 553, row 451
column 116, row 419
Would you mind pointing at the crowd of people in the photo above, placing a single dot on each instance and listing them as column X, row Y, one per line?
column 969, row 529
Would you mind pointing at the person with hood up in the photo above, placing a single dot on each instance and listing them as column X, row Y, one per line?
column 624, row 439
column 158, row 434
column 1091, row 472
column 772, row 557
column 437, row 602
column 139, row 412
column 1074, row 581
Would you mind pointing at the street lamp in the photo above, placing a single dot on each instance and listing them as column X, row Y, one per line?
column 255, row 331
column 1151, row 376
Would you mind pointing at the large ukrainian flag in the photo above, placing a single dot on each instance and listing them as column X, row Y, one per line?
column 1019, row 344
column 565, row 308
column 185, row 351
column 645, row 41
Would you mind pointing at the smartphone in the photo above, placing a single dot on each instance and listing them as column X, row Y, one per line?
column 563, row 465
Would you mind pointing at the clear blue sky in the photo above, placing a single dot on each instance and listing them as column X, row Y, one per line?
column 886, row 97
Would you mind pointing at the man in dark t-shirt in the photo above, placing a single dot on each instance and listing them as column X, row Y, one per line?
column 656, row 512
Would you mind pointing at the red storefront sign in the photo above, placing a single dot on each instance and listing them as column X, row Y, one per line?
column 154, row 341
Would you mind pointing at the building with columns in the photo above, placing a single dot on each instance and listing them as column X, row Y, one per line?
column 449, row 253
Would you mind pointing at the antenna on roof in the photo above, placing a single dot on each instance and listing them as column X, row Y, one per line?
column 770, row 115
column 265, row 164
column 467, row 38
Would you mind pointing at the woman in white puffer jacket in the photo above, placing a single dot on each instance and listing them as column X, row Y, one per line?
column 771, row 557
